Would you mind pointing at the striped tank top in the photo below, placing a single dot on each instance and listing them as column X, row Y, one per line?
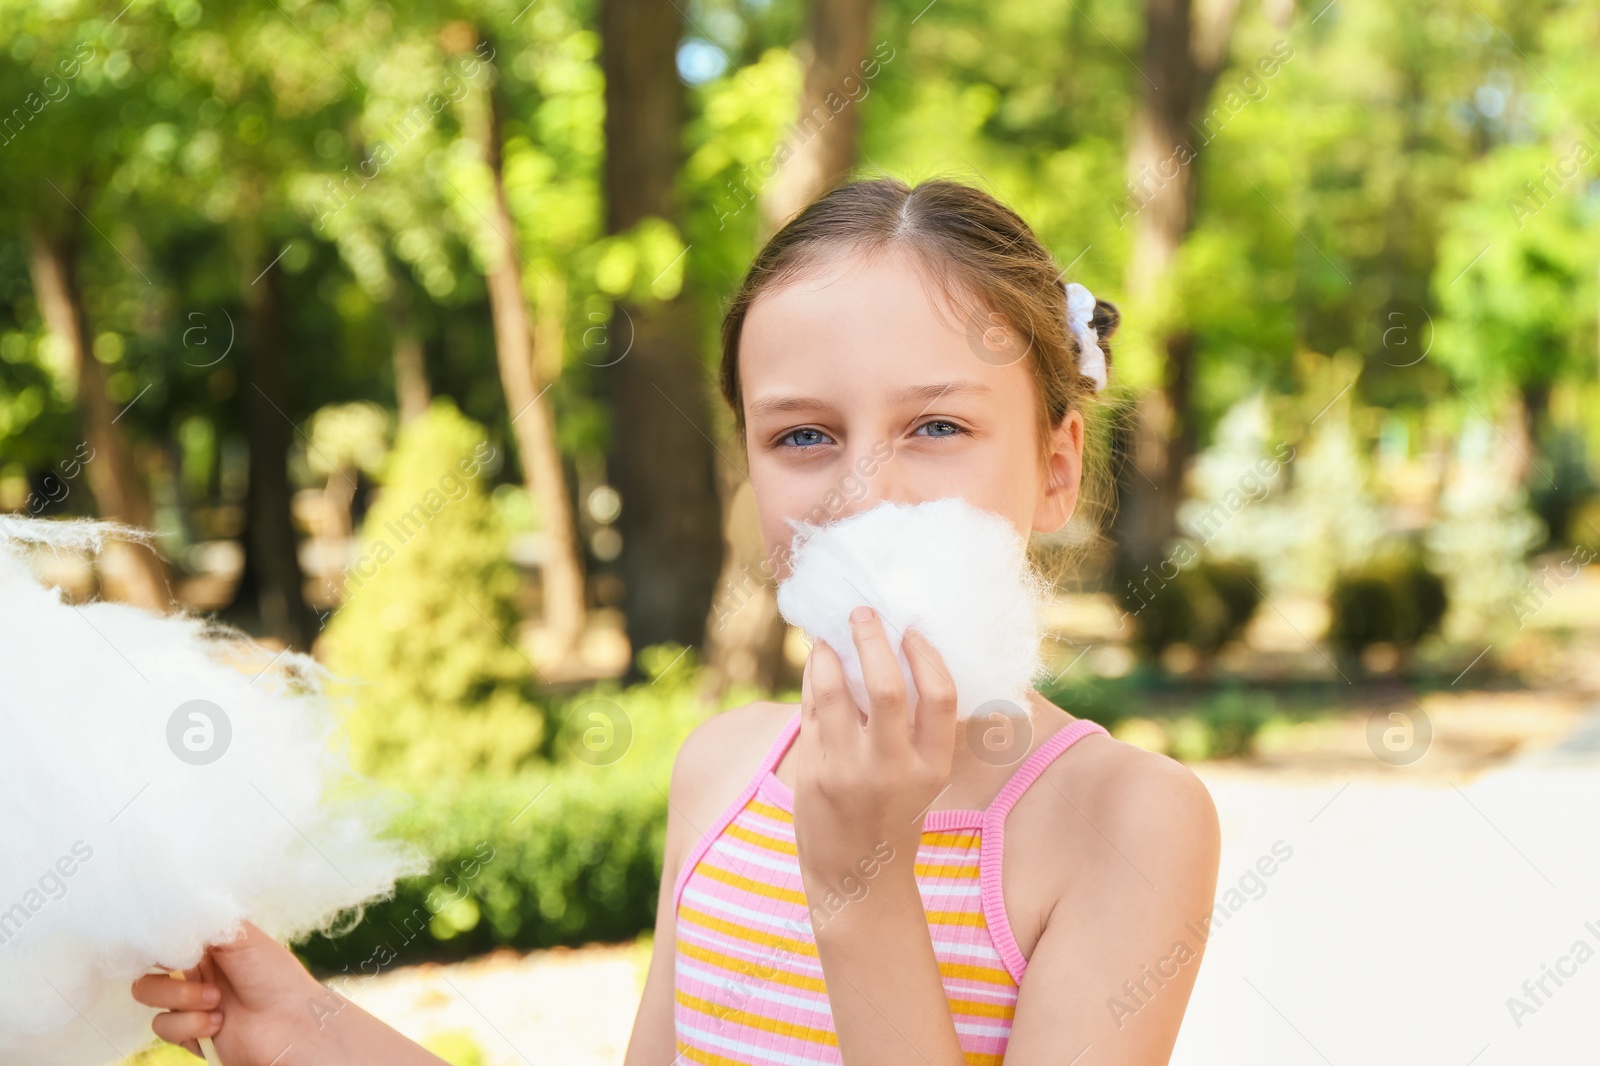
column 747, row 983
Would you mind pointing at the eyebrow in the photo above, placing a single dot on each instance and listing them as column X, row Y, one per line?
column 930, row 393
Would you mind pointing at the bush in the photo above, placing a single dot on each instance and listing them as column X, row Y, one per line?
column 1103, row 700
column 555, row 853
column 1203, row 606
column 1395, row 600
column 1232, row 719
column 425, row 630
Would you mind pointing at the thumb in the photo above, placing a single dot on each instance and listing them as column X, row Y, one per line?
column 231, row 958
column 239, row 943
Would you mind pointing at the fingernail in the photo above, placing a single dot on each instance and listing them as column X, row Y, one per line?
column 211, row 995
column 216, row 1017
column 860, row 614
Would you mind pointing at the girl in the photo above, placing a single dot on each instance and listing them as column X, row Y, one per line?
column 870, row 888
column 860, row 888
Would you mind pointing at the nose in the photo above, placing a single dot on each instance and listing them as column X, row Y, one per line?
column 870, row 478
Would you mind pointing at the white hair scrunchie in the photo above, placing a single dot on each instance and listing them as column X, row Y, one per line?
column 1092, row 358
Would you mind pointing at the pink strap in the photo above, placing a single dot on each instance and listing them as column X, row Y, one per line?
column 993, row 839
column 774, row 755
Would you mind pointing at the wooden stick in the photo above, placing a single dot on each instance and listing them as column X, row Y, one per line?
column 206, row 1048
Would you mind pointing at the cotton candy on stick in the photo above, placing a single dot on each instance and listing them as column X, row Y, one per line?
column 160, row 782
column 956, row 573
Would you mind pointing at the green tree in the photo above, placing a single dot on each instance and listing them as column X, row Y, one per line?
column 64, row 82
column 1516, row 278
column 260, row 97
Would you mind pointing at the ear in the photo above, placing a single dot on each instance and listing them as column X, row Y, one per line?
column 1063, row 475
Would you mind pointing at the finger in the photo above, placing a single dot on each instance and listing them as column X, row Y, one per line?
column 169, row 993
column 886, row 685
column 210, row 972
column 203, row 974
column 934, row 730
column 838, row 718
column 181, row 1026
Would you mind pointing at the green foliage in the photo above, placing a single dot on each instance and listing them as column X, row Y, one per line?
column 1087, row 695
column 347, row 437
column 425, row 633
column 1233, row 717
column 1393, row 600
column 1516, row 272
column 1223, row 726
column 1238, row 586
column 1353, row 188
column 1216, row 724
column 553, row 853
column 1204, row 606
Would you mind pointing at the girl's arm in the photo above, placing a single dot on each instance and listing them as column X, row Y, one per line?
column 861, row 791
column 1111, row 974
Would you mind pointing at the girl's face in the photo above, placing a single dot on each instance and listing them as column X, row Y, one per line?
column 860, row 385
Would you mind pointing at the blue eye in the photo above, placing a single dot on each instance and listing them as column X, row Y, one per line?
column 952, row 428
column 811, row 437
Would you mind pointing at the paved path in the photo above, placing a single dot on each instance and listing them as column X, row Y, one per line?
column 1408, row 918
column 545, row 1008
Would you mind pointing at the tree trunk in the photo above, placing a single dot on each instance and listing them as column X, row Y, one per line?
column 272, row 582
column 744, row 636
column 412, row 392
column 1524, row 419
column 823, row 143
column 744, row 639
column 1180, row 64
column 118, row 487
column 532, row 416
column 661, row 454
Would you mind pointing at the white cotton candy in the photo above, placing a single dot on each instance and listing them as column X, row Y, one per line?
column 957, row 574
column 117, row 854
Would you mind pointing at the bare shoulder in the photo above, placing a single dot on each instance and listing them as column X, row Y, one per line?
column 1127, row 785
column 720, row 757
column 1124, row 813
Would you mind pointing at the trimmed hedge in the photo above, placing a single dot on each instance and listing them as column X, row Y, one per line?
column 1395, row 601
column 1219, row 724
column 1204, row 606
column 535, row 860
column 557, row 853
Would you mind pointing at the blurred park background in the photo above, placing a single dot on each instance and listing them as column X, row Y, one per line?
column 397, row 325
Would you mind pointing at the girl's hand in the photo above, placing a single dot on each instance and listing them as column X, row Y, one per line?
column 251, row 996
column 861, row 784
